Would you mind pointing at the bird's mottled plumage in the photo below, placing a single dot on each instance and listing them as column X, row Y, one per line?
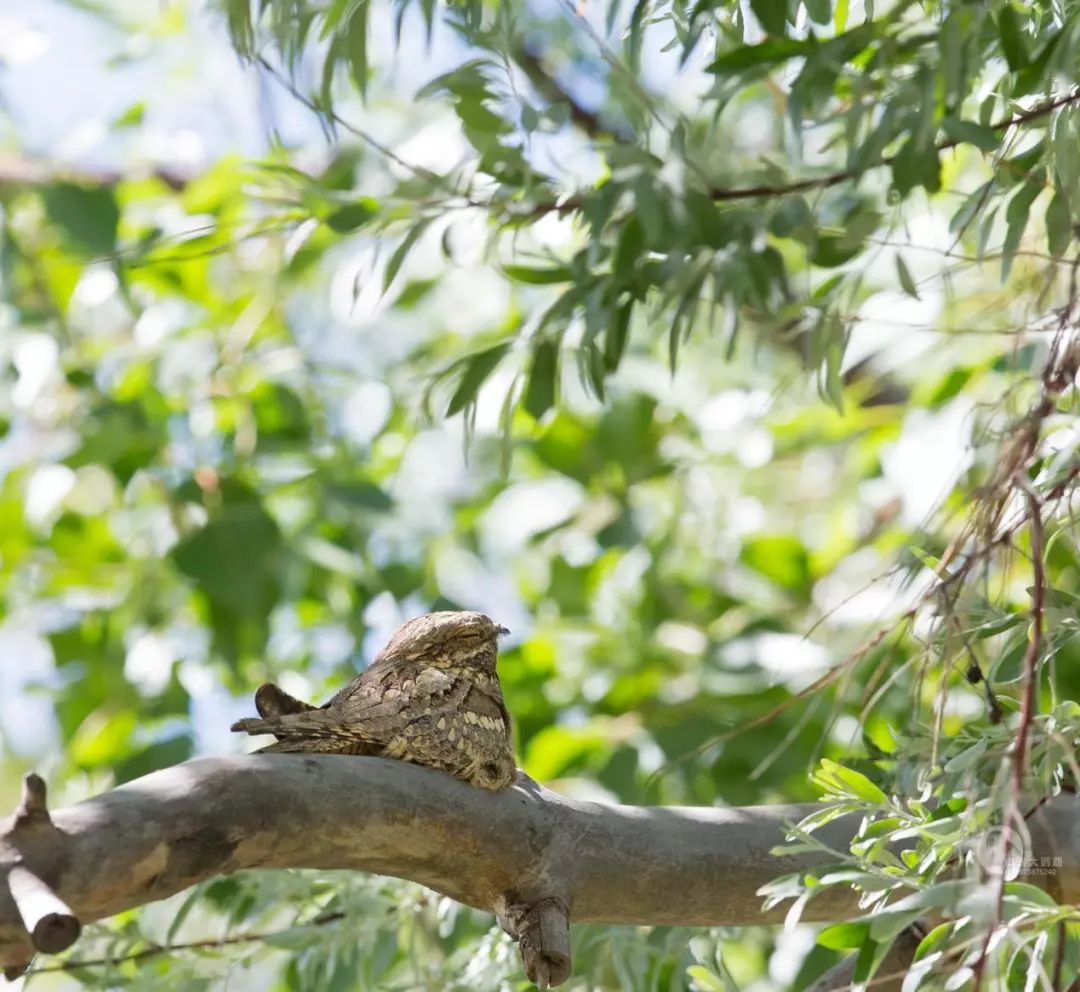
column 431, row 697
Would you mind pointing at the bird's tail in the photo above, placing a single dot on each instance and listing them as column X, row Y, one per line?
column 272, row 701
column 311, row 725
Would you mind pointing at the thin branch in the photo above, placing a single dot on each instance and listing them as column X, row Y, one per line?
column 328, row 113
column 553, row 91
column 154, row 950
column 771, row 191
column 1031, row 661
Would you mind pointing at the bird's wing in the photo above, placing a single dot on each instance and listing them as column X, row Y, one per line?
column 465, row 733
column 488, row 704
column 372, row 710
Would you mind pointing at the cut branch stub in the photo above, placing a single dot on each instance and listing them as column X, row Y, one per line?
column 49, row 921
column 52, row 926
column 542, row 930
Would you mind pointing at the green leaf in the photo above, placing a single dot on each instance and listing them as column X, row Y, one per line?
column 781, row 559
column 998, row 625
column 235, row 560
column 1017, row 215
column 1058, row 225
column 638, row 18
column 704, row 980
column 906, row 282
column 241, row 30
column 842, row 936
column 293, row 939
column 1011, row 31
column 916, row 164
column 352, row 215
column 793, row 218
column 870, row 152
column 819, row 11
column 932, row 562
column 974, row 134
column 1031, row 77
column 102, row 739
column 477, row 368
column 397, row 259
column 359, row 495
column 616, row 336
column 849, row 782
column 88, row 216
column 356, row 32
column 770, row 52
column 536, row 276
column 970, row 208
column 131, row 117
column 1065, row 143
column 871, row 955
column 968, row 758
column 772, row 14
column 832, row 383
column 540, row 392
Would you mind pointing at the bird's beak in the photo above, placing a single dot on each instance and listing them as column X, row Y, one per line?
column 501, row 631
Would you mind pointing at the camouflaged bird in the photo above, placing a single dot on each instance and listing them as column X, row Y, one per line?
column 430, row 697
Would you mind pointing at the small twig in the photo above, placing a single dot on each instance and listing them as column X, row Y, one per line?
column 194, row 945
column 553, row 91
column 1027, row 714
column 1059, row 956
column 330, row 114
column 1031, row 661
column 767, row 191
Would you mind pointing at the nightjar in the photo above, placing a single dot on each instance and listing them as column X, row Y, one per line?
column 431, row 697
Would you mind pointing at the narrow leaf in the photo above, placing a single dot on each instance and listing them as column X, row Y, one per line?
column 772, row 14
column 540, row 392
column 352, row 215
column 1058, row 225
column 402, row 252
column 537, row 277
column 972, row 133
column 477, row 368
column 906, row 282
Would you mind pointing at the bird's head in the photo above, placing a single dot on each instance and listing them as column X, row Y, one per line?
column 450, row 639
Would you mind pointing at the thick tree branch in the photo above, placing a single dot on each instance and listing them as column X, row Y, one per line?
column 535, row 858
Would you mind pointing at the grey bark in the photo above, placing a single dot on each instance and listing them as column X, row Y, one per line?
column 535, row 858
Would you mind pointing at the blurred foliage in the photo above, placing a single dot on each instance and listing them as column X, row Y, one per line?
column 704, row 350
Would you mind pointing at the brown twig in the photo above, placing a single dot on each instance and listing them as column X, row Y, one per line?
column 1027, row 714
column 589, row 122
column 722, row 194
column 194, row 945
column 1031, row 661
